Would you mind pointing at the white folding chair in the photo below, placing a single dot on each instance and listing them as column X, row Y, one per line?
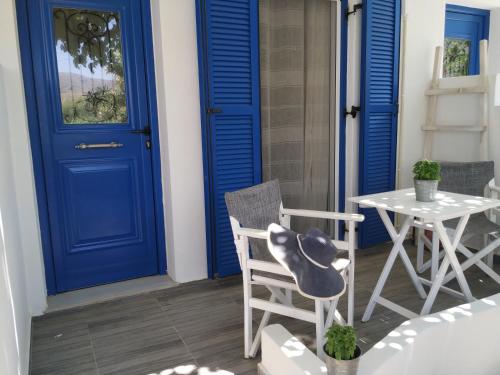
column 251, row 210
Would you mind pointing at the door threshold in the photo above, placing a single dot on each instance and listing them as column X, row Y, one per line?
column 108, row 292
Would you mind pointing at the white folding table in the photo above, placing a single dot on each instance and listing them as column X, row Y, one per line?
column 446, row 206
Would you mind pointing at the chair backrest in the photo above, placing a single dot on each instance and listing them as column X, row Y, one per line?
column 256, row 207
column 468, row 178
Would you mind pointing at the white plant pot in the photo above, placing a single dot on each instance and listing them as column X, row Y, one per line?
column 339, row 367
column 425, row 190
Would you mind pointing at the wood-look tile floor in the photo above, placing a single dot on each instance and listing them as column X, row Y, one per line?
column 197, row 328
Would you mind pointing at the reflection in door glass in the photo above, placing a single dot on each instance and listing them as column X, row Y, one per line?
column 456, row 57
column 90, row 66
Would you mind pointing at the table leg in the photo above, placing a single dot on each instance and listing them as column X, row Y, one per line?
column 420, row 249
column 435, row 288
column 434, row 254
column 450, row 258
column 404, row 256
column 475, row 259
column 398, row 241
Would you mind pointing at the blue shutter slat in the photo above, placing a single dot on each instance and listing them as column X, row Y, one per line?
column 381, row 28
column 233, row 69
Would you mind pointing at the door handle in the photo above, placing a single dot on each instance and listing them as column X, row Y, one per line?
column 87, row 146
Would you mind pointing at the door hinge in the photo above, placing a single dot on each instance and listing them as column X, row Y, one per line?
column 346, row 228
column 212, row 111
column 354, row 10
column 396, row 109
column 353, row 112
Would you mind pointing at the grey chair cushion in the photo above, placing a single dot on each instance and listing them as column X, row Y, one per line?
column 256, row 207
column 469, row 178
column 466, row 177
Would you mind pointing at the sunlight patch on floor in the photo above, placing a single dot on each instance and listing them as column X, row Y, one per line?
column 192, row 370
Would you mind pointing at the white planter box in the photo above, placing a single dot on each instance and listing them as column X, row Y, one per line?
column 462, row 340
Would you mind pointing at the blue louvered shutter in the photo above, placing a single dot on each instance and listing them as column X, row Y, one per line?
column 232, row 41
column 379, row 101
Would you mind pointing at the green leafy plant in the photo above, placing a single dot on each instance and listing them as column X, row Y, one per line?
column 341, row 342
column 427, row 170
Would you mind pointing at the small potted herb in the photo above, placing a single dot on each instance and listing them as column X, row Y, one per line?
column 342, row 353
column 427, row 174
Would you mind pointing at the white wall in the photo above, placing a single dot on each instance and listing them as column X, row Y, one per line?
column 17, row 292
column 22, row 280
column 353, row 99
column 425, row 31
column 176, row 65
column 456, row 341
column 15, row 319
column 494, row 69
column 481, row 4
column 22, row 177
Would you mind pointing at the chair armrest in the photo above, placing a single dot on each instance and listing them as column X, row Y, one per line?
column 262, row 234
column 253, row 233
column 493, row 187
column 323, row 215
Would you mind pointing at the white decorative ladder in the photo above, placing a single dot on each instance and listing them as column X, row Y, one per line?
column 436, row 90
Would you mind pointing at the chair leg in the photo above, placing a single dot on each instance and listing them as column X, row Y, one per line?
column 333, row 314
column 320, row 328
column 247, row 313
column 263, row 322
column 350, row 295
column 248, row 328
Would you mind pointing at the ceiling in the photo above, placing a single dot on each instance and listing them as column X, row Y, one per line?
column 483, row 4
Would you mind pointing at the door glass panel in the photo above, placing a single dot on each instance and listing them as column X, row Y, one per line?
column 456, row 57
column 90, row 66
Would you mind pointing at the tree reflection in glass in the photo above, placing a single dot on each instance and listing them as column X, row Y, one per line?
column 90, row 66
column 456, row 57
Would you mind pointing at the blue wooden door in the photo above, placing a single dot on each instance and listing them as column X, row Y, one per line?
column 88, row 63
column 229, row 38
column 466, row 27
column 379, row 107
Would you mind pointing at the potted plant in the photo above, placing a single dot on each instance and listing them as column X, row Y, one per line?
column 342, row 353
column 427, row 174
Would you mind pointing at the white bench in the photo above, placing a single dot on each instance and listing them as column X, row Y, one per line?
column 461, row 340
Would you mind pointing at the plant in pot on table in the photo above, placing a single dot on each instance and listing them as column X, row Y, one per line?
column 342, row 353
column 427, row 174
